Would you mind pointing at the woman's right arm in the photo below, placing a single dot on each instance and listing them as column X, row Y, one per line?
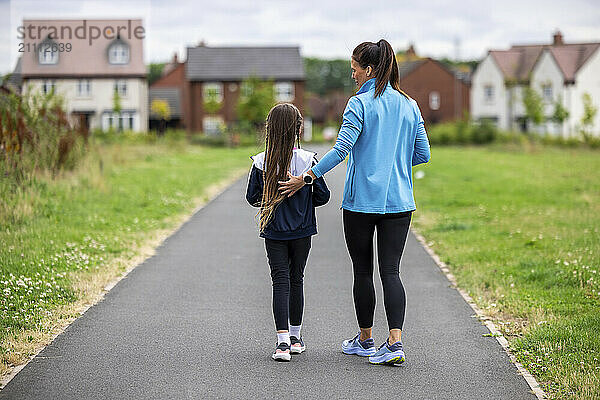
column 352, row 123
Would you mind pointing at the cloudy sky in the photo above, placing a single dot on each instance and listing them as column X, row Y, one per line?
column 323, row 28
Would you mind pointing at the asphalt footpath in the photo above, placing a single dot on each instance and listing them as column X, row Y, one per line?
column 194, row 321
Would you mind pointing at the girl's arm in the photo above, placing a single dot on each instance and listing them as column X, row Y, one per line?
column 255, row 187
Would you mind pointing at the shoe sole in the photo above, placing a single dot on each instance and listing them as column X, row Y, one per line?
column 361, row 353
column 392, row 361
column 282, row 357
column 297, row 350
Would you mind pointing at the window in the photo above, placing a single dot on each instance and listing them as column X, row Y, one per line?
column 488, row 93
column 212, row 91
column 284, row 91
column 547, row 92
column 84, row 88
column 434, row 100
column 126, row 120
column 48, row 52
column 246, row 89
column 118, row 53
column 48, row 86
column 121, row 87
column 212, row 124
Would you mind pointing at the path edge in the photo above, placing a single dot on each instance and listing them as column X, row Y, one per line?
column 531, row 381
column 214, row 191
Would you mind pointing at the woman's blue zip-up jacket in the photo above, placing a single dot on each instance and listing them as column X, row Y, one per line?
column 294, row 217
column 385, row 137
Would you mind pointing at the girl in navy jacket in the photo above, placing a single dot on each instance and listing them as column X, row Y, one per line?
column 286, row 223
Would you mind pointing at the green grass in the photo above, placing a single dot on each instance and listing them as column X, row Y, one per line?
column 52, row 231
column 520, row 231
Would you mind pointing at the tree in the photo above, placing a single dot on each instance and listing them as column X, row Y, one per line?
column 560, row 113
column 154, row 72
column 534, row 106
column 256, row 99
column 326, row 76
column 117, row 107
column 587, row 119
column 161, row 109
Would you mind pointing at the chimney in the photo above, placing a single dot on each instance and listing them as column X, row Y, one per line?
column 411, row 53
column 558, row 39
column 201, row 43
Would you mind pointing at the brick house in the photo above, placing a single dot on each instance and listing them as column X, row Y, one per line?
column 217, row 73
column 170, row 87
column 442, row 93
column 86, row 72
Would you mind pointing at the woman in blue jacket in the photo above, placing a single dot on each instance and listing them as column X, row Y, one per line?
column 383, row 135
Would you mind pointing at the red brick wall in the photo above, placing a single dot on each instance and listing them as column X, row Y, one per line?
column 174, row 78
column 432, row 76
column 231, row 93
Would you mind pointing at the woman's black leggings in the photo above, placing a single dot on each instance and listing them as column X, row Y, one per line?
column 392, row 230
column 287, row 259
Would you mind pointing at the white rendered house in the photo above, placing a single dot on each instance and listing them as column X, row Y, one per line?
column 559, row 72
column 87, row 70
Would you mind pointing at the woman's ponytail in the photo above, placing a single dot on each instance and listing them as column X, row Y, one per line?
column 380, row 56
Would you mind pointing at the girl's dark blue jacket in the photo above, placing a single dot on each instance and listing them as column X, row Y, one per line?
column 294, row 217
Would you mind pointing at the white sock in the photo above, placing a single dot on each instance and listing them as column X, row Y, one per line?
column 283, row 337
column 295, row 331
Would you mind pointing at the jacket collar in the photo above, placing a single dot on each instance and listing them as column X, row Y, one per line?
column 366, row 86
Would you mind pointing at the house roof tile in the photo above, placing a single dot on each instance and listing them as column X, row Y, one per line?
column 87, row 57
column 518, row 62
column 237, row 63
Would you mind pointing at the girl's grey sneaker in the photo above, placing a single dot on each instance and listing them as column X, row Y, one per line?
column 297, row 346
column 282, row 352
column 363, row 348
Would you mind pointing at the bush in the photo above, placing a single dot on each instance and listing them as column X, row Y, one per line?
column 484, row 132
column 36, row 136
column 442, row 134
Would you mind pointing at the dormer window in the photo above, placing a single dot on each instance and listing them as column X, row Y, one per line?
column 48, row 52
column 118, row 52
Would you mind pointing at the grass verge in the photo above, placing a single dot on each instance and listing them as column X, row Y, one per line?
column 519, row 228
column 64, row 240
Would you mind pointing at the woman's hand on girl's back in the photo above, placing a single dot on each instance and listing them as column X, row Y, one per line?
column 292, row 185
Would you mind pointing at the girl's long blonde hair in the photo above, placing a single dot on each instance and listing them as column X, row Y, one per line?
column 282, row 129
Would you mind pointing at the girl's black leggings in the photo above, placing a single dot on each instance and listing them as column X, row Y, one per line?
column 392, row 230
column 287, row 259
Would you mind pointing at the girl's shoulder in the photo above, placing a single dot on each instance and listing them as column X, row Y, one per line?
column 302, row 161
column 258, row 160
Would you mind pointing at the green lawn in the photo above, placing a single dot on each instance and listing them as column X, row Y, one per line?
column 520, row 231
column 54, row 233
